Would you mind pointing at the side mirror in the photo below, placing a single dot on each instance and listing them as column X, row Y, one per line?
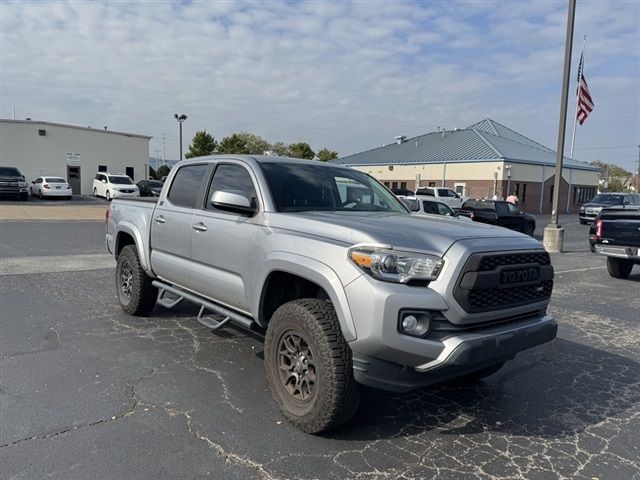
column 232, row 201
column 33, row 182
column 103, row 181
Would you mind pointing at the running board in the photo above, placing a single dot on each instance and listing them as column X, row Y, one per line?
column 230, row 316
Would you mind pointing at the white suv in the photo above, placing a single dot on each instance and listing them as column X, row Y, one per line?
column 110, row 186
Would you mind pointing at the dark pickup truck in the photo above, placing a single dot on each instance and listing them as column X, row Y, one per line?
column 617, row 236
column 501, row 213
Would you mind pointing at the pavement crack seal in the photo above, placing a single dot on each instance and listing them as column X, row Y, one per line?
column 216, row 447
column 192, row 360
column 130, row 410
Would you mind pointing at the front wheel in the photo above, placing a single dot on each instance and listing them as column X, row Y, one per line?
column 309, row 366
column 619, row 267
column 136, row 294
column 107, row 195
column 583, row 222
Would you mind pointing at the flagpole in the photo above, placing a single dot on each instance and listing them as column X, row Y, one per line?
column 575, row 117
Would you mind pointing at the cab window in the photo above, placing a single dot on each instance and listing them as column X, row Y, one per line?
column 186, row 185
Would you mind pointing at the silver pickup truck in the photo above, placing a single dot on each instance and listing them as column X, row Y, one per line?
column 347, row 287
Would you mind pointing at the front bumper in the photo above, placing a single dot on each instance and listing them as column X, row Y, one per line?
column 460, row 355
column 117, row 194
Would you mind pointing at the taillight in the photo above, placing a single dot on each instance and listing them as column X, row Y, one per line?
column 471, row 216
column 45, row 185
column 599, row 229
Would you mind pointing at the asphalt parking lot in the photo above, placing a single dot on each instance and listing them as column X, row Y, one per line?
column 89, row 392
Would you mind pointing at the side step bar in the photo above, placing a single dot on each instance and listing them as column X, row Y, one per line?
column 205, row 305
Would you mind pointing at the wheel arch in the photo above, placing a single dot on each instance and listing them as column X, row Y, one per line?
column 287, row 277
column 128, row 234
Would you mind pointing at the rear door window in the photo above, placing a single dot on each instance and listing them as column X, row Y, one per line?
column 186, row 185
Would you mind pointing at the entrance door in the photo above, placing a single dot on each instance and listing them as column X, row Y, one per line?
column 73, row 177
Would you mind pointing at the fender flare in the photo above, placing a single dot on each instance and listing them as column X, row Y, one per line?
column 143, row 253
column 314, row 271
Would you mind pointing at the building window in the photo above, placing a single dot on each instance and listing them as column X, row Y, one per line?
column 102, row 168
column 403, row 185
column 432, row 184
column 524, row 192
column 129, row 172
column 575, row 194
column 518, row 190
column 551, row 193
column 387, row 184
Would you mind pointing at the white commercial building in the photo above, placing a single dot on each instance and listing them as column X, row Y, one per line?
column 75, row 153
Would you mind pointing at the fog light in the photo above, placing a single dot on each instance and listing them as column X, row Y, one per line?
column 415, row 324
column 409, row 323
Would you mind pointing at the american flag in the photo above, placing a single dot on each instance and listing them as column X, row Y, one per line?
column 585, row 103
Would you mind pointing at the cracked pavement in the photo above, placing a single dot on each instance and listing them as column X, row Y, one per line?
column 87, row 391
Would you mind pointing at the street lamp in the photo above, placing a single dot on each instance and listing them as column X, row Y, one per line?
column 180, row 119
column 508, row 168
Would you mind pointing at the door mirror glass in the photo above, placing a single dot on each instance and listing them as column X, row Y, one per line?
column 103, row 181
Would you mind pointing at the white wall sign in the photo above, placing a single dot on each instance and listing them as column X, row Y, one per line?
column 73, row 157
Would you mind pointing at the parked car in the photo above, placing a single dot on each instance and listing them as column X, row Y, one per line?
column 13, row 184
column 590, row 210
column 51, row 187
column 109, row 185
column 402, row 192
column 617, row 236
column 149, row 188
column 423, row 205
column 445, row 195
column 348, row 287
column 501, row 213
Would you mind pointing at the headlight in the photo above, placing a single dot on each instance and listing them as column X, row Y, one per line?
column 22, row 184
column 387, row 264
column 582, row 209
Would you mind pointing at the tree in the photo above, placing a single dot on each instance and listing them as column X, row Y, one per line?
column 254, row 145
column 163, row 171
column 615, row 185
column 152, row 173
column 234, row 143
column 325, row 155
column 280, row 149
column 202, row 144
column 301, row 150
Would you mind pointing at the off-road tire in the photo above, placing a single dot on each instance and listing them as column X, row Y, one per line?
column 143, row 295
column 336, row 395
column 480, row 374
column 619, row 267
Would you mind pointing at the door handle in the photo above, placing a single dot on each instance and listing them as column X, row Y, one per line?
column 201, row 227
column 160, row 219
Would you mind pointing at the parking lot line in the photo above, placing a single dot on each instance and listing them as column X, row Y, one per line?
column 54, row 264
column 580, row 269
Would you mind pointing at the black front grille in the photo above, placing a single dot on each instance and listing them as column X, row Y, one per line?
column 490, row 262
column 479, row 289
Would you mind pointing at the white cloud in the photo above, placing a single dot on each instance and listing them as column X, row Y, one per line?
column 348, row 76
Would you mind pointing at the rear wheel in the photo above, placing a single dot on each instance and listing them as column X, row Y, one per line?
column 309, row 366
column 41, row 195
column 619, row 267
column 136, row 295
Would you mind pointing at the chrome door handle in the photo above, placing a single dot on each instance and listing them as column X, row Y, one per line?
column 160, row 219
column 201, row 227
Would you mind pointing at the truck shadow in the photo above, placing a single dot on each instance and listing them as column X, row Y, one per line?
column 553, row 392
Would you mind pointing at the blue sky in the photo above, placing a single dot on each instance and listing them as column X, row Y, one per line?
column 348, row 76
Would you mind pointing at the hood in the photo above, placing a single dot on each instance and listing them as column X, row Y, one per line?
column 403, row 231
column 600, row 204
column 11, row 178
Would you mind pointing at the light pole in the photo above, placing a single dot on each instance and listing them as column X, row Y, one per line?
column 180, row 119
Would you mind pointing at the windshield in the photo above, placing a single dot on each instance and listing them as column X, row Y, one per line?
column 303, row 187
column 9, row 171
column 608, row 199
column 155, row 184
column 55, row 180
column 122, row 180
